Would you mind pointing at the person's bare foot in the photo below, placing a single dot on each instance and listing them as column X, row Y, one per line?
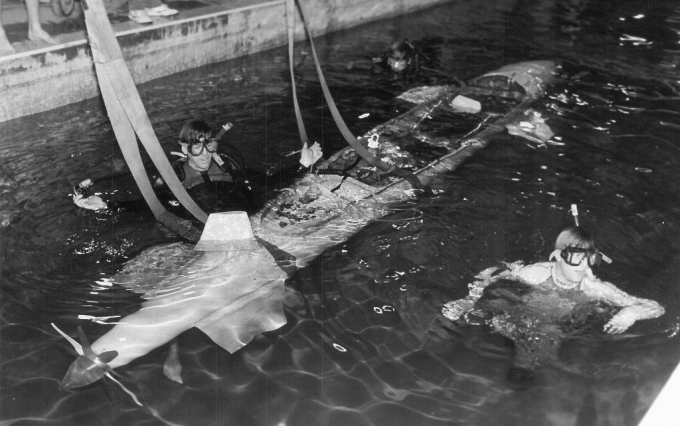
column 36, row 34
column 5, row 46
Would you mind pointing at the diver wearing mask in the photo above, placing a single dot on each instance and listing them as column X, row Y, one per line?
column 200, row 163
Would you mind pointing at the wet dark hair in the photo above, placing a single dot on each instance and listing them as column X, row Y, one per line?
column 574, row 236
column 402, row 46
column 193, row 131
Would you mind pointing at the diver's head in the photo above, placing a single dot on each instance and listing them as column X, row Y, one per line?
column 398, row 50
column 398, row 58
column 575, row 253
column 574, row 236
column 198, row 144
column 402, row 48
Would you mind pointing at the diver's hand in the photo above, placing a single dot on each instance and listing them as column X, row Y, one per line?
column 310, row 155
column 621, row 321
column 92, row 202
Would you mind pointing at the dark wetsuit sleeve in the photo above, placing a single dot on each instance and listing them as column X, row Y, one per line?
column 157, row 180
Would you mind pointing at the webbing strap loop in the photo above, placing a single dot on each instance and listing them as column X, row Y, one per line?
column 128, row 116
column 290, row 25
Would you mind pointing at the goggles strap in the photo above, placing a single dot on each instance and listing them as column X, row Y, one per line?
column 554, row 255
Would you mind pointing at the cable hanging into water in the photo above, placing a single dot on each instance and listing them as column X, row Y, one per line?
column 344, row 130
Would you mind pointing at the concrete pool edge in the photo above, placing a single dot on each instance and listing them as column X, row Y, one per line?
column 664, row 409
column 46, row 78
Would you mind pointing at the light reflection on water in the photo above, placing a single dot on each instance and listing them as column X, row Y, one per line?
column 378, row 295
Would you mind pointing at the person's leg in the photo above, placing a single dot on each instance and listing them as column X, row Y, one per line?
column 137, row 11
column 5, row 46
column 35, row 29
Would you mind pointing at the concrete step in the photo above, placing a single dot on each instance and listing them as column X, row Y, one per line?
column 38, row 76
column 14, row 19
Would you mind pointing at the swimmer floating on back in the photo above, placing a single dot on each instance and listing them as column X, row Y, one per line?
column 201, row 163
column 537, row 305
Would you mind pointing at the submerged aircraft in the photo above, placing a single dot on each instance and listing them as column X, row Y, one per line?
column 231, row 284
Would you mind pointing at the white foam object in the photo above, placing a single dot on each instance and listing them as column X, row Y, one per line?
column 461, row 103
column 226, row 229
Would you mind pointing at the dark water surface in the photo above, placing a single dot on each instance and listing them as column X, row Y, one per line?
column 366, row 344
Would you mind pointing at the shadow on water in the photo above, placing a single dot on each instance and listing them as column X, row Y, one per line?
column 365, row 342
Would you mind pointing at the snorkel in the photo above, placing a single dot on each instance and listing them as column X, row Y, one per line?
column 574, row 211
column 220, row 135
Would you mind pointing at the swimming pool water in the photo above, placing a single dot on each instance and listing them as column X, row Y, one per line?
column 365, row 342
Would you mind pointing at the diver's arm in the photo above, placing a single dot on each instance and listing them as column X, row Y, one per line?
column 634, row 308
column 457, row 308
column 644, row 308
column 535, row 274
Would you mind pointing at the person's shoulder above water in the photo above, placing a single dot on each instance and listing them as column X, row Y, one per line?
column 533, row 274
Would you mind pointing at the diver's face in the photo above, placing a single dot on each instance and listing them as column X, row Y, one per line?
column 570, row 272
column 398, row 53
column 199, row 162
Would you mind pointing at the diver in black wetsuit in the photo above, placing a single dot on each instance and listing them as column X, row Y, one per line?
column 403, row 58
column 408, row 60
column 200, row 164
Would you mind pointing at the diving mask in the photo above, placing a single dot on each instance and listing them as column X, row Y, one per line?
column 197, row 148
column 574, row 256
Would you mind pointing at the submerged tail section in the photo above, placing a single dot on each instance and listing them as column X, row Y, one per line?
column 88, row 367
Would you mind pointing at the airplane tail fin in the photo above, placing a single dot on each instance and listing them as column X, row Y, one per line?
column 88, row 367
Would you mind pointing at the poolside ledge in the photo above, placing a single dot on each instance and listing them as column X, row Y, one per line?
column 664, row 410
column 41, row 79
